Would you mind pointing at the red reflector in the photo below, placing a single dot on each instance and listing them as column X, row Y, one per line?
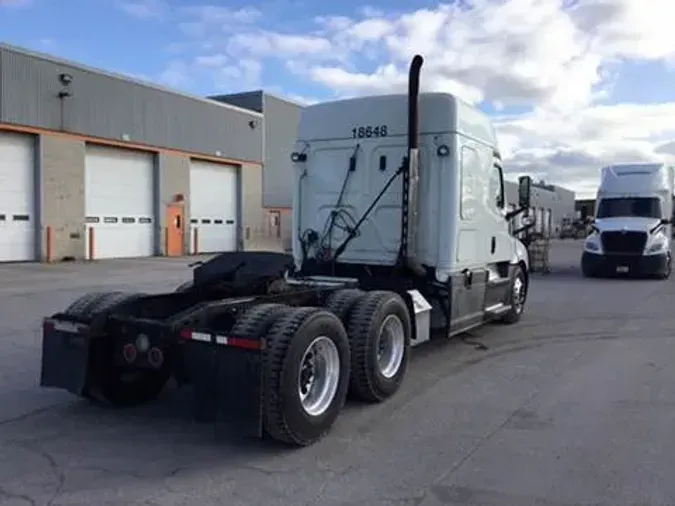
column 247, row 344
column 186, row 334
column 129, row 352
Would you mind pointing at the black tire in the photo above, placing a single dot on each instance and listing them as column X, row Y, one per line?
column 258, row 320
column 112, row 302
column 92, row 305
column 342, row 302
column 367, row 382
column 284, row 418
column 586, row 272
column 184, row 287
column 84, row 307
column 516, row 303
column 669, row 268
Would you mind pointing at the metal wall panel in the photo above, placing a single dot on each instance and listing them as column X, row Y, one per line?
column 559, row 200
column 281, row 124
column 252, row 100
column 2, row 54
column 107, row 106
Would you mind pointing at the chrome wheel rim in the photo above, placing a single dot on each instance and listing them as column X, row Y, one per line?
column 319, row 376
column 390, row 346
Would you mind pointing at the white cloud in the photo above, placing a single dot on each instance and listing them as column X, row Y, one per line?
column 217, row 15
column 246, row 73
column 176, row 74
column 213, row 60
column 47, row 43
column 214, row 21
column 265, row 44
column 571, row 150
column 144, row 9
column 558, row 61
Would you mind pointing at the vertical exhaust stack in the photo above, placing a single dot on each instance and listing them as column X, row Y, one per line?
column 410, row 208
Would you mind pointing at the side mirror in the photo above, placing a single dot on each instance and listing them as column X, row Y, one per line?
column 666, row 221
column 524, row 191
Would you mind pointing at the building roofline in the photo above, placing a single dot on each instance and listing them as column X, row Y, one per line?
column 283, row 99
column 262, row 93
column 121, row 77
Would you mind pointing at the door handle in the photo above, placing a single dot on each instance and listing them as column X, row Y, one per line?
column 468, row 278
column 493, row 245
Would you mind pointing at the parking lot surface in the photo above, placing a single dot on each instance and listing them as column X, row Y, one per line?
column 573, row 406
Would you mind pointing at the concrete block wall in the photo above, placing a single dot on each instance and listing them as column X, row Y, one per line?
column 62, row 163
column 174, row 178
column 63, row 209
column 286, row 229
column 254, row 231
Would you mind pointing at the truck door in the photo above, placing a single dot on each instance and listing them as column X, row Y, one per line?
column 500, row 241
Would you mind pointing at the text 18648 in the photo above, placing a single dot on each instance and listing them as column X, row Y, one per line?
column 369, row 131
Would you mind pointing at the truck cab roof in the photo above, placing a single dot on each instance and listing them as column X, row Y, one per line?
column 635, row 179
column 439, row 113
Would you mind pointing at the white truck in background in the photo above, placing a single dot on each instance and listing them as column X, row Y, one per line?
column 632, row 229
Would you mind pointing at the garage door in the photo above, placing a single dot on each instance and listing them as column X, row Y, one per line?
column 17, row 197
column 119, row 198
column 213, row 207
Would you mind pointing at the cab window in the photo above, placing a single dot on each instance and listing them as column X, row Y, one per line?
column 497, row 186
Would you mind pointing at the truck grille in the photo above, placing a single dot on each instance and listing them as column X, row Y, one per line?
column 620, row 242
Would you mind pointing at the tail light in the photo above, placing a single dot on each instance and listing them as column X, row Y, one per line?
column 129, row 352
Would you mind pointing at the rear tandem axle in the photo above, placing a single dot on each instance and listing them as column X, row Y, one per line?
column 256, row 364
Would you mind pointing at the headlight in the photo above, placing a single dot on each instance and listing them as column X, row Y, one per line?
column 657, row 245
column 592, row 244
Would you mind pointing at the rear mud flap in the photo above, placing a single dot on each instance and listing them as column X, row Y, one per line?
column 66, row 355
column 227, row 385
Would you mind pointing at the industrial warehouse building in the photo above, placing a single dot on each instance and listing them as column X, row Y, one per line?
column 94, row 165
column 550, row 204
column 281, row 118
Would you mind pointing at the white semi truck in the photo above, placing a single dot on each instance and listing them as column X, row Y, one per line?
column 632, row 229
column 401, row 236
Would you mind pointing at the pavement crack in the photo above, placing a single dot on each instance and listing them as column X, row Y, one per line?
column 176, row 471
column 24, row 416
column 269, row 472
column 331, row 478
column 6, row 494
column 103, row 469
column 54, row 467
column 485, row 439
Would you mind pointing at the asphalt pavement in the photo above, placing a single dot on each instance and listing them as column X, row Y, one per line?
column 573, row 406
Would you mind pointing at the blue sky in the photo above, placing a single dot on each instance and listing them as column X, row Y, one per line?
column 111, row 34
column 564, row 81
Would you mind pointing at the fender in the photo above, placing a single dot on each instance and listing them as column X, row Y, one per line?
column 520, row 254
